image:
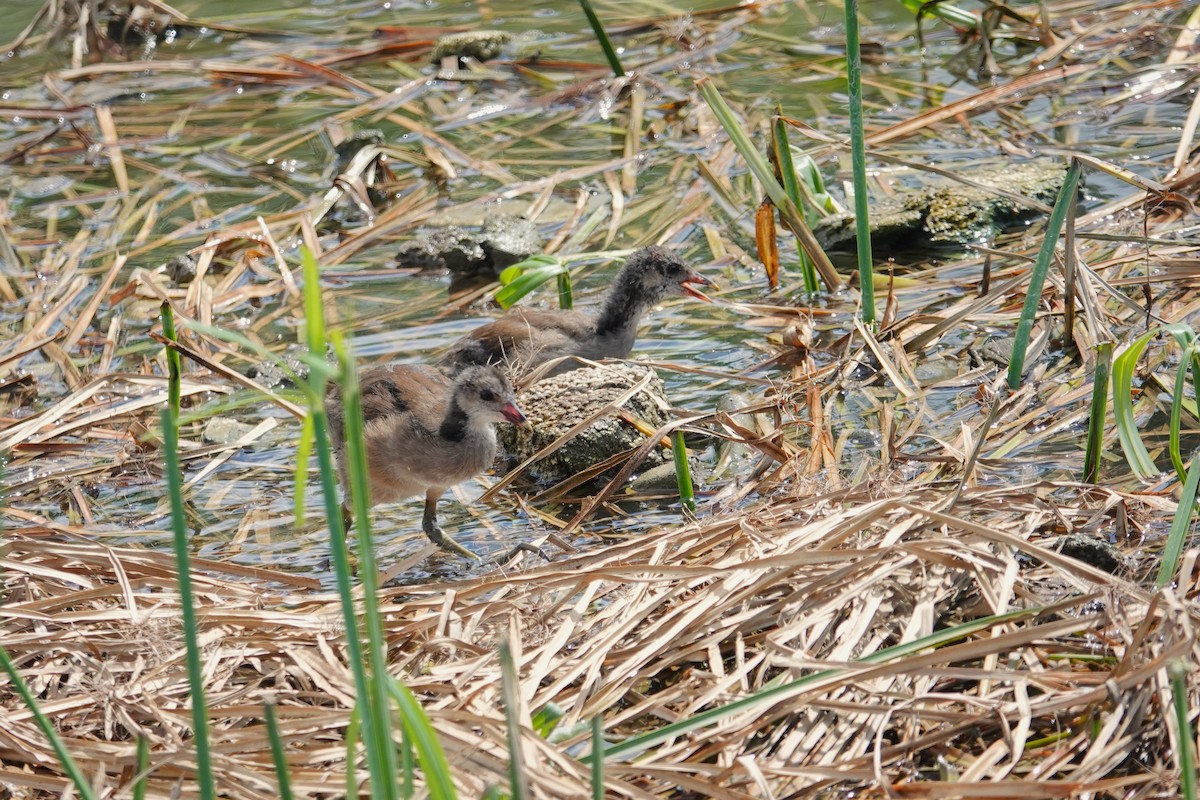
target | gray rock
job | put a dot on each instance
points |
(948, 212)
(557, 404)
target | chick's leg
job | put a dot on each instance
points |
(429, 524)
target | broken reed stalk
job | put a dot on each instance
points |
(380, 764)
(683, 471)
(610, 52)
(858, 161)
(173, 360)
(762, 171)
(1098, 413)
(187, 605)
(1037, 277)
(785, 168)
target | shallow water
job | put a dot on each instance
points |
(209, 153)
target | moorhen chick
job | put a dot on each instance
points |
(426, 432)
(524, 339)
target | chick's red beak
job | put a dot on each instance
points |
(514, 414)
(688, 289)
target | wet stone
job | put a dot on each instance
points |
(502, 241)
(1092, 551)
(223, 430)
(272, 375)
(479, 45)
(181, 269)
(948, 212)
(557, 404)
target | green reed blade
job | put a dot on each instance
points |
(762, 171)
(510, 690)
(606, 44)
(408, 767)
(173, 359)
(1097, 415)
(1037, 277)
(278, 752)
(1180, 526)
(359, 480)
(435, 768)
(383, 778)
(858, 162)
(683, 471)
(597, 758)
(1135, 450)
(187, 604)
(43, 722)
(1178, 672)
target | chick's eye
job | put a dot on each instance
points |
(487, 395)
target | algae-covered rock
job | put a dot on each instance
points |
(479, 45)
(502, 241)
(557, 404)
(949, 212)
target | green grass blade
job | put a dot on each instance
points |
(1177, 670)
(775, 693)
(1180, 526)
(1098, 414)
(56, 743)
(597, 758)
(1122, 392)
(142, 767)
(173, 359)
(510, 690)
(356, 467)
(187, 606)
(278, 752)
(383, 781)
(429, 750)
(606, 44)
(858, 162)
(683, 471)
(1037, 277)
(762, 171)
